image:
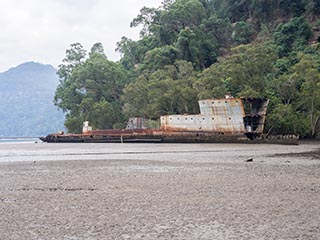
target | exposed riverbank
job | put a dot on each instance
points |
(159, 191)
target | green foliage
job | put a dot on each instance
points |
(264, 11)
(293, 35)
(147, 18)
(283, 119)
(73, 123)
(91, 91)
(293, 7)
(307, 70)
(242, 33)
(313, 9)
(244, 71)
(298, 91)
(195, 49)
(218, 29)
(181, 30)
(74, 56)
(159, 57)
(152, 124)
(165, 91)
(182, 14)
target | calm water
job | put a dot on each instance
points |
(18, 139)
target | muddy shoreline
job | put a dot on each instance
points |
(155, 191)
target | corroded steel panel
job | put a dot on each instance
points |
(255, 114)
(136, 122)
(219, 120)
(218, 115)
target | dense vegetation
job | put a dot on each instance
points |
(193, 49)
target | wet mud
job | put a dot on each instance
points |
(151, 191)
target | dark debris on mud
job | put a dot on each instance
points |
(53, 189)
(315, 155)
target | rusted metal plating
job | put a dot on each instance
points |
(220, 120)
(225, 115)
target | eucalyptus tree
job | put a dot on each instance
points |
(165, 91)
(244, 72)
(91, 90)
(307, 70)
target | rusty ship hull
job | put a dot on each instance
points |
(224, 120)
(167, 137)
(144, 136)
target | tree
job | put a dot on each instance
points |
(283, 119)
(147, 18)
(74, 56)
(166, 91)
(244, 71)
(182, 14)
(242, 32)
(313, 9)
(298, 107)
(178, 16)
(157, 58)
(133, 52)
(239, 10)
(219, 29)
(97, 48)
(293, 35)
(191, 49)
(293, 7)
(308, 69)
(66, 97)
(92, 91)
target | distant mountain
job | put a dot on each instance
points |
(26, 101)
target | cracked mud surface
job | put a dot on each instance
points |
(159, 191)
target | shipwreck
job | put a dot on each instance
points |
(223, 120)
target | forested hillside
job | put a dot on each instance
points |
(26, 107)
(194, 49)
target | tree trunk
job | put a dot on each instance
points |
(314, 127)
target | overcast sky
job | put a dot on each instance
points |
(42, 30)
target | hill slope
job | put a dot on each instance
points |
(26, 94)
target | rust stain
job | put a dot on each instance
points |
(218, 120)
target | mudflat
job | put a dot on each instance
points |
(159, 191)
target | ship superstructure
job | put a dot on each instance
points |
(220, 120)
